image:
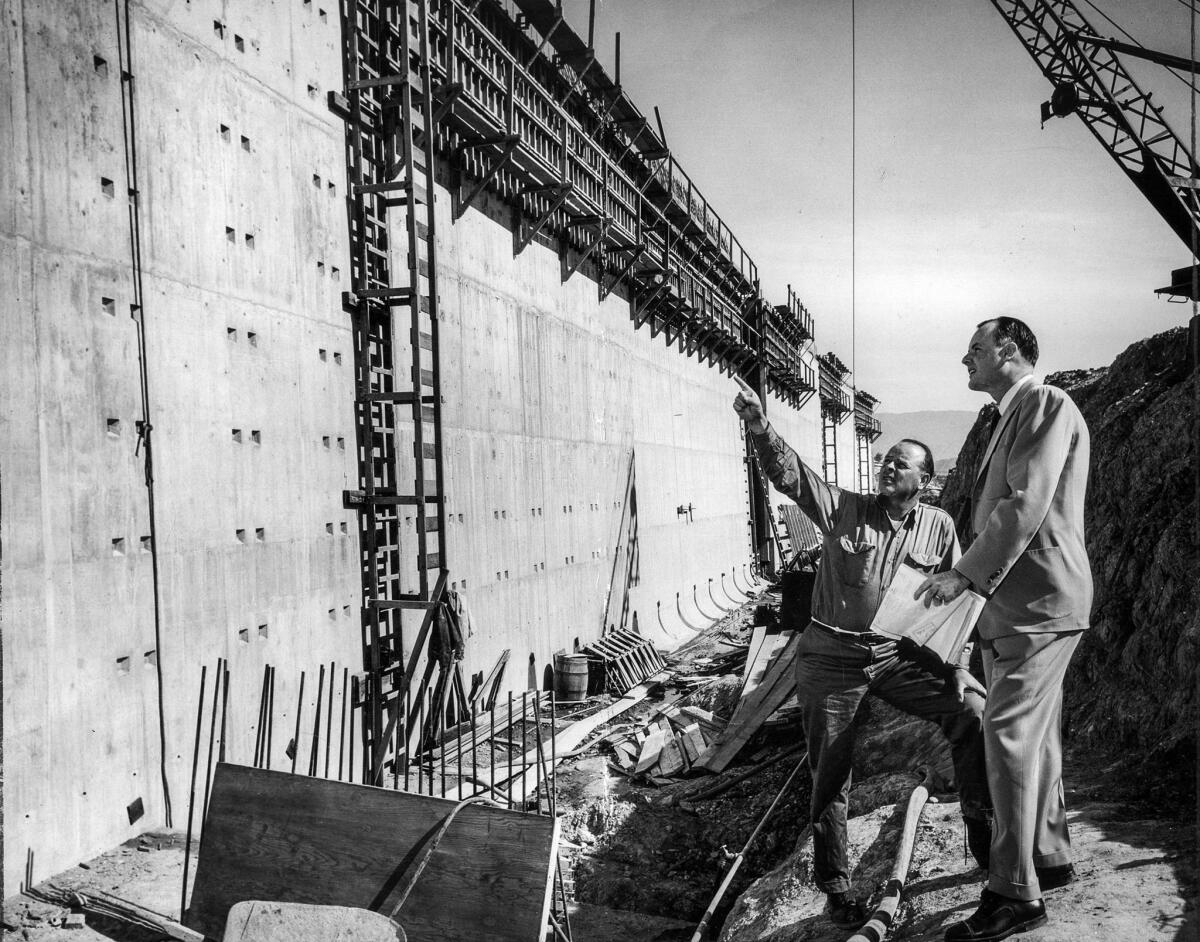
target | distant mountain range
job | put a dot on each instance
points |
(943, 432)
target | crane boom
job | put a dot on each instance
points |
(1090, 81)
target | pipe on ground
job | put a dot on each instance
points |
(881, 920)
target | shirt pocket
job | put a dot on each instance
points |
(923, 562)
(855, 561)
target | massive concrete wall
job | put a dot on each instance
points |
(249, 363)
(549, 393)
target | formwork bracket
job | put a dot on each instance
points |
(603, 223)
(508, 143)
(526, 233)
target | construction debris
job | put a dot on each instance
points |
(628, 659)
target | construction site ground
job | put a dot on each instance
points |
(644, 861)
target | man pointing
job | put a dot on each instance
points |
(866, 538)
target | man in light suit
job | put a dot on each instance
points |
(1028, 557)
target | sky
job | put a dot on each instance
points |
(923, 171)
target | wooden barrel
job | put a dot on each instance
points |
(571, 677)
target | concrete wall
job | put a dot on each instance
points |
(235, 335)
(548, 393)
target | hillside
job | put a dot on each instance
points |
(943, 431)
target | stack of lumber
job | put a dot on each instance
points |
(628, 659)
(768, 683)
(666, 748)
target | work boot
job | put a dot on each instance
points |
(845, 911)
(997, 918)
(979, 838)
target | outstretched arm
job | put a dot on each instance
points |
(783, 467)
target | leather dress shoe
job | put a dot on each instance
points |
(846, 912)
(997, 918)
(1051, 878)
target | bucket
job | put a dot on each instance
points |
(571, 677)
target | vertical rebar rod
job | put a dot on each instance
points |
(458, 748)
(329, 719)
(396, 752)
(315, 749)
(353, 706)
(270, 721)
(474, 747)
(224, 714)
(511, 732)
(539, 774)
(212, 734)
(187, 841)
(342, 722)
(260, 738)
(437, 722)
(407, 735)
(524, 747)
(554, 757)
(420, 744)
(299, 709)
(492, 747)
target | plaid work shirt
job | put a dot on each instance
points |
(862, 546)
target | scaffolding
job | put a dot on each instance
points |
(513, 115)
(866, 430)
(835, 406)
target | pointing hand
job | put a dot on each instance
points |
(749, 407)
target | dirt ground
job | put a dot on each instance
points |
(644, 861)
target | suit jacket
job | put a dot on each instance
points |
(1027, 516)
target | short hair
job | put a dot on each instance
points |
(1005, 329)
(927, 464)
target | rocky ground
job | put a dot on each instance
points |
(646, 860)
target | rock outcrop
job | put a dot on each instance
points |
(1132, 686)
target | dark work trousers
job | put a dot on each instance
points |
(833, 674)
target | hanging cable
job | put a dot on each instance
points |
(853, 196)
(128, 126)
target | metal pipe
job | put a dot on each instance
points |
(702, 928)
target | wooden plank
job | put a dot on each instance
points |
(777, 685)
(291, 838)
(670, 762)
(264, 921)
(757, 636)
(693, 742)
(770, 646)
(651, 750)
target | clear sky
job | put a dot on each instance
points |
(964, 207)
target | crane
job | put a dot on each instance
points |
(1090, 81)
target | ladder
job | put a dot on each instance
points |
(388, 109)
(829, 468)
(865, 467)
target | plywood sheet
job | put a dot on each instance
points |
(290, 838)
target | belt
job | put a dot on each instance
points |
(868, 637)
